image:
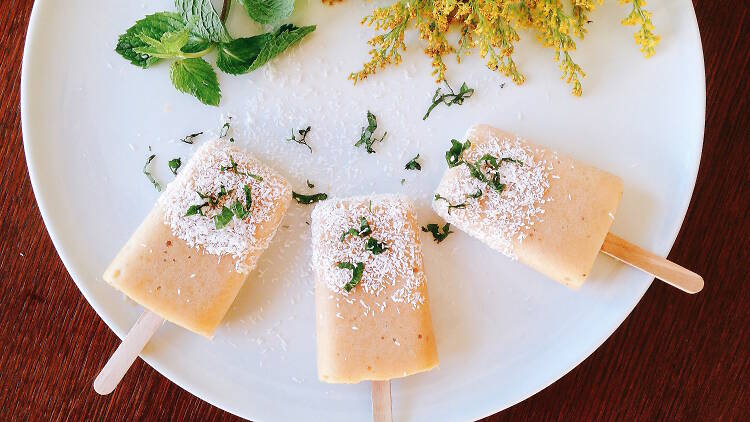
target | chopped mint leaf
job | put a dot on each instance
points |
(450, 206)
(403, 181)
(453, 155)
(364, 229)
(174, 164)
(350, 232)
(223, 218)
(302, 139)
(435, 230)
(189, 139)
(475, 195)
(268, 11)
(225, 128)
(366, 138)
(147, 172)
(356, 273)
(196, 209)
(309, 199)
(374, 246)
(248, 197)
(449, 98)
(413, 164)
(238, 210)
(196, 77)
(309, 184)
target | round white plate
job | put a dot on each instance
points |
(503, 331)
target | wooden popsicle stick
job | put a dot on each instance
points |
(381, 401)
(127, 352)
(659, 267)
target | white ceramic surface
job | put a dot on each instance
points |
(503, 331)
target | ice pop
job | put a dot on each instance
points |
(189, 258)
(372, 311)
(547, 210)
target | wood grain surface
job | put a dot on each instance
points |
(676, 357)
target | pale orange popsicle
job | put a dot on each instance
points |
(179, 263)
(552, 212)
(380, 328)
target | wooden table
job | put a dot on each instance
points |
(677, 357)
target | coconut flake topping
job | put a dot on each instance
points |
(241, 239)
(496, 218)
(397, 271)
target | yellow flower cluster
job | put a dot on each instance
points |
(491, 26)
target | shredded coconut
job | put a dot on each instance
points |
(397, 271)
(203, 174)
(497, 218)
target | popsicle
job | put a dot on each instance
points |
(547, 210)
(191, 255)
(372, 311)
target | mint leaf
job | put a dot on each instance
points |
(247, 54)
(147, 172)
(223, 218)
(356, 273)
(207, 23)
(268, 11)
(168, 46)
(174, 164)
(308, 199)
(152, 26)
(237, 56)
(197, 78)
(238, 210)
(437, 236)
(375, 247)
(453, 155)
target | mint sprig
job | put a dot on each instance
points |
(187, 36)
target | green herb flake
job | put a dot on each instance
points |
(374, 246)
(196, 209)
(190, 139)
(309, 199)
(435, 230)
(223, 218)
(450, 205)
(248, 197)
(475, 195)
(449, 98)
(147, 172)
(413, 164)
(175, 164)
(367, 137)
(454, 155)
(364, 229)
(310, 184)
(356, 273)
(302, 138)
(238, 210)
(225, 128)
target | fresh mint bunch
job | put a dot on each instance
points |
(195, 30)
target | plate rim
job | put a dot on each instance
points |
(480, 411)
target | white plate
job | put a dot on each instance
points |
(504, 332)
